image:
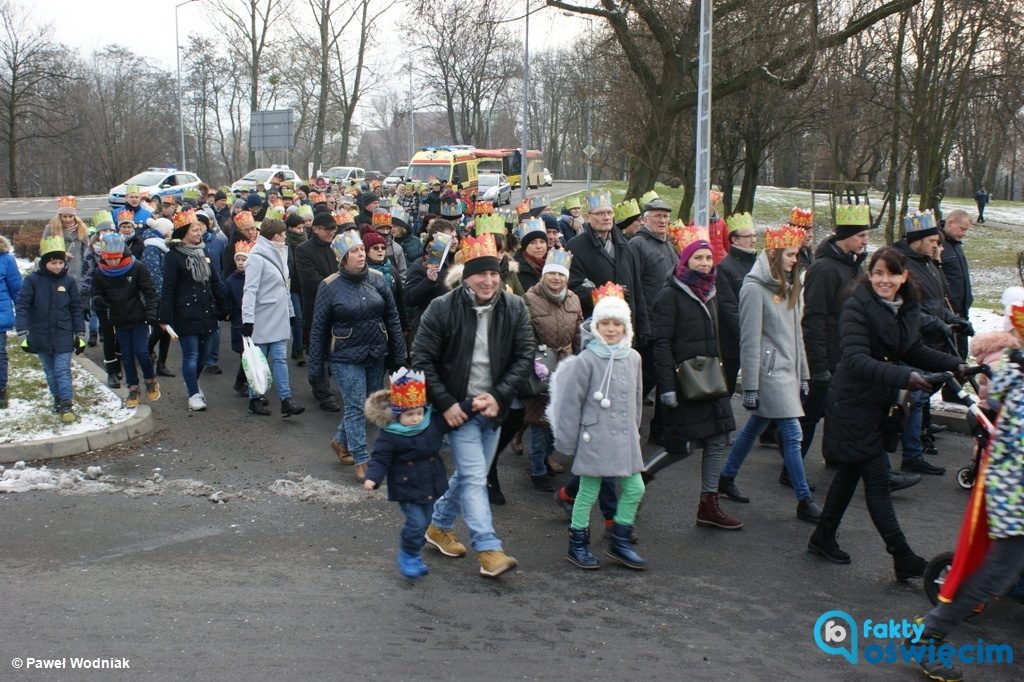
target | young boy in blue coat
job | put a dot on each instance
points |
(407, 453)
(51, 323)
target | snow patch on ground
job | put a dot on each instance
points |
(984, 320)
(24, 265)
(309, 489)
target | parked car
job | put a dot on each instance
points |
(494, 187)
(155, 181)
(396, 176)
(261, 177)
(344, 175)
(547, 178)
(375, 175)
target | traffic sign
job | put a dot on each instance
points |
(590, 150)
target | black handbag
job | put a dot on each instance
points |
(547, 357)
(701, 378)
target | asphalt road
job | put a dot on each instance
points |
(41, 208)
(274, 587)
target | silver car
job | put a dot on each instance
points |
(494, 187)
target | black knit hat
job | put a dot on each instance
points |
(294, 220)
(325, 220)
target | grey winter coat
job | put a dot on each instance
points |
(656, 260)
(266, 301)
(603, 441)
(772, 356)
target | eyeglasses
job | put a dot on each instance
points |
(744, 236)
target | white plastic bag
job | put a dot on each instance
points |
(254, 364)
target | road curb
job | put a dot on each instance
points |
(139, 424)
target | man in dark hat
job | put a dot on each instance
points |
(368, 203)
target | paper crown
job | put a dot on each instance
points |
(599, 199)
(345, 242)
(274, 213)
(484, 207)
(509, 215)
(317, 198)
(1016, 316)
(287, 193)
(853, 214)
(67, 204)
(529, 226)
(244, 219)
(102, 219)
(53, 244)
(131, 189)
(125, 217)
(190, 194)
(225, 189)
(740, 221)
(714, 197)
(305, 212)
(243, 246)
(381, 218)
(648, 197)
(408, 390)
(919, 222)
(572, 202)
(111, 244)
(683, 235)
(399, 216)
(801, 217)
(538, 204)
(785, 237)
(167, 199)
(523, 209)
(478, 247)
(626, 210)
(559, 259)
(343, 216)
(489, 224)
(183, 218)
(607, 289)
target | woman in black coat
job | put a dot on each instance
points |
(881, 338)
(685, 327)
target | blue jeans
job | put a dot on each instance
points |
(3, 361)
(195, 348)
(789, 428)
(417, 517)
(473, 446)
(297, 344)
(94, 323)
(57, 367)
(214, 354)
(356, 382)
(134, 343)
(912, 446)
(277, 357)
(542, 444)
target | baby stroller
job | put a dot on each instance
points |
(978, 422)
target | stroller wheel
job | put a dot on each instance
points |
(935, 575)
(965, 477)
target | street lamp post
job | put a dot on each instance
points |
(177, 56)
(589, 150)
(524, 165)
(412, 117)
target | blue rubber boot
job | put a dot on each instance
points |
(579, 550)
(620, 548)
(411, 565)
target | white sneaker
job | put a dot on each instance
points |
(197, 402)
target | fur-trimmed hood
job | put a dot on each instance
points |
(5, 245)
(378, 408)
(987, 344)
(453, 277)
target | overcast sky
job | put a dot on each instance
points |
(147, 28)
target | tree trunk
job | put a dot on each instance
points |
(890, 225)
(646, 164)
(325, 84)
(12, 154)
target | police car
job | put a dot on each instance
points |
(156, 181)
(261, 177)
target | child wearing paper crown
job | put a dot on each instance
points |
(407, 453)
(595, 414)
(51, 323)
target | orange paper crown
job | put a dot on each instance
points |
(801, 217)
(684, 235)
(408, 390)
(785, 237)
(484, 207)
(125, 217)
(183, 218)
(1017, 318)
(343, 216)
(715, 197)
(317, 198)
(244, 219)
(478, 247)
(243, 246)
(381, 218)
(523, 208)
(607, 289)
(67, 204)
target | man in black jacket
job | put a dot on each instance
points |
(958, 275)
(600, 255)
(475, 342)
(314, 261)
(728, 280)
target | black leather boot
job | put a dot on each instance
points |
(256, 406)
(288, 408)
(905, 563)
(823, 543)
(727, 487)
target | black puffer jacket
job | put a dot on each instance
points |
(443, 348)
(129, 299)
(685, 328)
(191, 307)
(591, 261)
(931, 285)
(527, 273)
(826, 287)
(958, 276)
(420, 290)
(868, 377)
(729, 278)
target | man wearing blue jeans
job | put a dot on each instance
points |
(474, 342)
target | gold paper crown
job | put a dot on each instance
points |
(625, 210)
(131, 189)
(101, 218)
(853, 214)
(342, 216)
(572, 202)
(67, 204)
(607, 289)
(287, 193)
(684, 235)
(125, 216)
(317, 198)
(599, 199)
(244, 219)
(408, 390)
(489, 224)
(306, 212)
(801, 217)
(484, 207)
(53, 244)
(1017, 318)
(785, 237)
(183, 218)
(529, 226)
(381, 218)
(740, 221)
(478, 247)
(190, 193)
(715, 197)
(561, 257)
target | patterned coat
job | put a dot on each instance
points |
(1004, 482)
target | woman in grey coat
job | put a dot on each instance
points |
(267, 312)
(773, 364)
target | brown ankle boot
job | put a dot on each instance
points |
(710, 514)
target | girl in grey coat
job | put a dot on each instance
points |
(773, 365)
(595, 413)
(267, 312)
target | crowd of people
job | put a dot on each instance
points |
(442, 319)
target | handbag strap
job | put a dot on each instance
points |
(276, 267)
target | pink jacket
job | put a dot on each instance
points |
(986, 348)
